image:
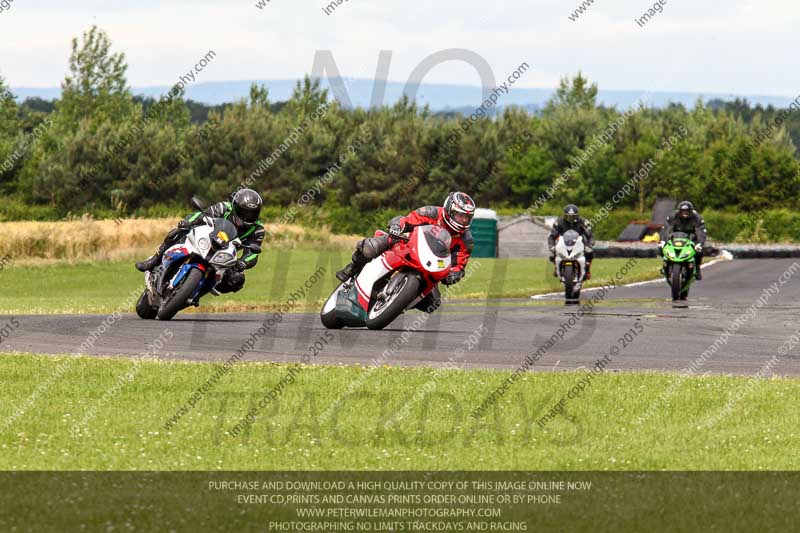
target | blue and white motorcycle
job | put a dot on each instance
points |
(191, 269)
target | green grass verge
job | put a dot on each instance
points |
(122, 426)
(102, 287)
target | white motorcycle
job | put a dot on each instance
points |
(189, 270)
(571, 264)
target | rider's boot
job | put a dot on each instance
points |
(153, 261)
(588, 270)
(353, 268)
(346, 273)
(174, 235)
(698, 272)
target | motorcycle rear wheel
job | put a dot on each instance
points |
(397, 302)
(180, 297)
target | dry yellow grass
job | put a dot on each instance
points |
(109, 240)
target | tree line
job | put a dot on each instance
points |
(100, 149)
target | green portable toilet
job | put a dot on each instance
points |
(484, 231)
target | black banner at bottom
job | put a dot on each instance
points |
(399, 501)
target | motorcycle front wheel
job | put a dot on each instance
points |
(180, 296)
(676, 281)
(383, 311)
(569, 283)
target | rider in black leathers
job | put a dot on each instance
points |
(243, 211)
(571, 220)
(689, 221)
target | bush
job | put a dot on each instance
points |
(15, 209)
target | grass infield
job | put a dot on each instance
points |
(73, 413)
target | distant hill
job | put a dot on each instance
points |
(440, 97)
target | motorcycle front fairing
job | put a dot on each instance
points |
(211, 245)
(427, 251)
(679, 248)
(570, 249)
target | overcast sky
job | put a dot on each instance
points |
(738, 46)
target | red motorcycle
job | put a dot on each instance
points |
(392, 283)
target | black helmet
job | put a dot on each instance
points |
(459, 209)
(685, 209)
(246, 207)
(571, 214)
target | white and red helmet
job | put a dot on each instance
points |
(458, 211)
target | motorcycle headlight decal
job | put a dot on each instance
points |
(203, 244)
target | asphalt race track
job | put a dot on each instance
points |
(670, 337)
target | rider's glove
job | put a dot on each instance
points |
(661, 244)
(184, 224)
(453, 277)
(588, 249)
(396, 230)
(240, 266)
(552, 250)
(698, 247)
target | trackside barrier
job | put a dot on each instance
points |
(739, 251)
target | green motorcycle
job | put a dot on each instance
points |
(679, 265)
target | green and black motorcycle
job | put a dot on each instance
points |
(679, 265)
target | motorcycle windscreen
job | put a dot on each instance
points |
(570, 238)
(434, 248)
(223, 233)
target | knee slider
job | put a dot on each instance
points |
(235, 281)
